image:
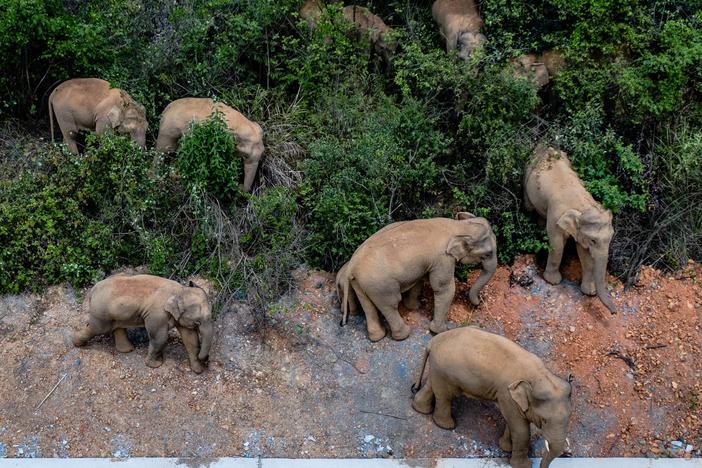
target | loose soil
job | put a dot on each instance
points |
(306, 387)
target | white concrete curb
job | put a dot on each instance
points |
(337, 463)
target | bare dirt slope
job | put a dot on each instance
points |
(307, 388)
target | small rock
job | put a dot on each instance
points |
(368, 438)
(676, 444)
(572, 329)
(688, 448)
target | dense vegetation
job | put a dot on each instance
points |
(350, 144)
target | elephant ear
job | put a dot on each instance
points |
(114, 116)
(519, 391)
(173, 306)
(459, 246)
(569, 222)
(464, 215)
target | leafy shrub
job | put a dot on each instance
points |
(207, 158)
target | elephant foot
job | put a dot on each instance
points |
(196, 367)
(520, 462)
(411, 303)
(588, 289)
(402, 333)
(122, 343)
(505, 444)
(154, 362)
(78, 340)
(424, 407)
(553, 277)
(444, 423)
(376, 334)
(437, 328)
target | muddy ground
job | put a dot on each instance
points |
(305, 387)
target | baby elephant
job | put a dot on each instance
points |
(159, 304)
(490, 367)
(460, 25)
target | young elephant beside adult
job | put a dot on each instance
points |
(554, 190)
(396, 259)
(90, 104)
(540, 69)
(486, 366)
(460, 25)
(159, 304)
(372, 26)
(178, 115)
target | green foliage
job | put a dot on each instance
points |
(208, 160)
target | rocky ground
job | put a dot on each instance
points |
(305, 387)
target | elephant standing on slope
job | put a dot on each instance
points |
(90, 104)
(472, 362)
(176, 119)
(554, 190)
(460, 25)
(159, 304)
(396, 259)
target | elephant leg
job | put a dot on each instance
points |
(444, 393)
(69, 131)
(553, 264)
(166, 143)
(587, 264)
(157, 341)
(410, 298)
(519, 434)
(388, 307)
(505, 441)
(122, 342)
(423, 401)
(93, 328)
(376, 331)
(444, 289)
(250, 168)
(191, 340)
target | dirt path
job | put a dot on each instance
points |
(308, 388)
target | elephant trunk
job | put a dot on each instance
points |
(600, 273)
(554, 449)
(206, 331)
(139, 136)
(489, 267)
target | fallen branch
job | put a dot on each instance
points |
(383, 414)
(656, 346)
(52, 391)
(628, 360)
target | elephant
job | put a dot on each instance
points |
(91, 104)
(311, 12)
(372, 26)
(460, 25)
(486, 366)
(554, 190)
(396, 259)
(540, 69)
(178, 115)
(121, 301)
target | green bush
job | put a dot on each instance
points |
(208, 160)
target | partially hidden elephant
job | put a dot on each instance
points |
(159, 304)
(485, 366)
(538, 68)
(554, 190)
(372, 26)
(176, 119)
(311, 12)
(460, 25)
(91, 104)
(396, 259)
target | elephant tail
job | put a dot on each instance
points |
(417, 385)
(345, 300)
(51, 115)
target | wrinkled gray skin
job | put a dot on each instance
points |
(90, 104)
(485, 366)
(395, 260)
(158, 304)
(554, 190)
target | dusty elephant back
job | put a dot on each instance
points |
(125, 293)
(457, 14)
(80, 87)
(311, 11)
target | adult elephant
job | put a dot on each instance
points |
(178, 115)
(91, 104)
(395, 260)
(554, 190)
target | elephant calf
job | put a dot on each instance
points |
(90, 104)
(540, 69)
(176, 119)
(486, 366)
(396, 259)
(554, 190)
(159, 304)
(372, 26)
(460, 25)
(311, 12)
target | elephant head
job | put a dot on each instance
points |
(125, 116)
(468, 42)
(528, 66)
(475, 243)
(592, 230)
(545, 401)
(191, 309)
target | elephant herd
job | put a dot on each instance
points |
(389, 267)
